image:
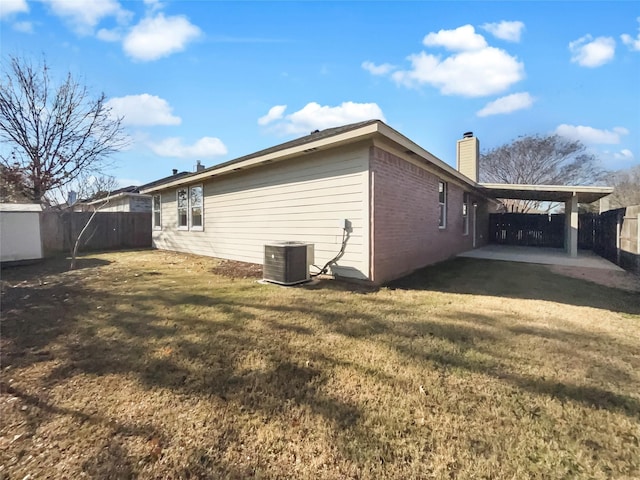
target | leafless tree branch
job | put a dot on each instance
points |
(540, 160)
(52, 135)
(626, 184)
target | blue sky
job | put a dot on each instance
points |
(211, 81)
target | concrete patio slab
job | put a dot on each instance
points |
(546, 256)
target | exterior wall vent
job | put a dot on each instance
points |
(287, 263)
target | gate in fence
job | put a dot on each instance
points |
(526, 229)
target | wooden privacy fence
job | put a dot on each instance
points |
(526, 229)
(107, 231)
(613, 235)
(616, 237)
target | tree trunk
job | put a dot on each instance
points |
(76, 245)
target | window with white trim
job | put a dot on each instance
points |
(183, 208)
(195, 208)
(157, 215)
(465, 213)
(190, 203)
(442, 204)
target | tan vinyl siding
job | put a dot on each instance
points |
(302, 199)
(127, 203)
(115, 205)
(468, 156)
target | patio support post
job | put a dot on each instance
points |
(571, 225)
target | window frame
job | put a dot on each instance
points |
(465, 213)
(156, 225)
(188, 208)
(196, 228)
(179, 208)
(442, 205)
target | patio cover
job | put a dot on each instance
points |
(549, 193)
(571, 195)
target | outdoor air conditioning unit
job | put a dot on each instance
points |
(287, 263)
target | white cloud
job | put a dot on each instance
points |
(84, 16)
(159, 36)
(106, 35)
(590, 135)
(589, 52)
(629, 41)
(24, 27)
(143, 110)
(206, 147)
(153, 5)
(462, 38)
(11, 7)
(275, 113)
(509, 31)
(474, 69)
(471, 74)
(313, 116)
(374, 69)
(508, 104)
(624, 154)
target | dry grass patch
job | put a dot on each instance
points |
(160, 365)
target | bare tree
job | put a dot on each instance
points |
(539, 160)
(90, 187)
(76, 245)
(52, 134)
(626, 184)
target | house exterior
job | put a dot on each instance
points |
(20, 238)
(126, 199)
(121, 202)
(402, 207)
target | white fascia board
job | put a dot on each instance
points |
(550, 188)
(552, 193)
(119, 195)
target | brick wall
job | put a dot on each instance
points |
(405, 233)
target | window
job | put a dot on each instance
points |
(190, 208)
(442, 202)
(183, 209)
(195, 207)
(465, 213)
(156, 207)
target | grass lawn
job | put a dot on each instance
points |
(153, 364)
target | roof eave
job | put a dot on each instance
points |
(412, 147)
(113, 197)
(344, 138)
(549, 193)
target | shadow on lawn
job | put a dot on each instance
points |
(202, 343)
(48, 266)
(185, 353)
(517, 280)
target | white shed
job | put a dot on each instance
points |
(20, 232)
